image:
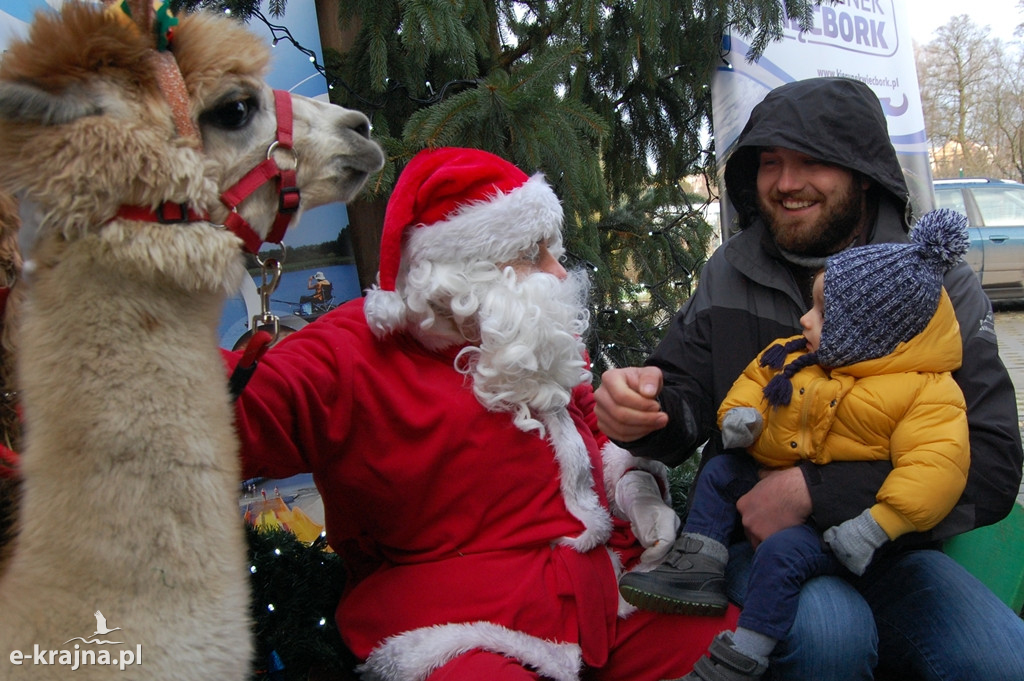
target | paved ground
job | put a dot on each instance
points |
(1010, 331)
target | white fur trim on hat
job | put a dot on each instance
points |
(415, 655)
(498, 229)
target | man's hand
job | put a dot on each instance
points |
(778, 501)
(627, 406)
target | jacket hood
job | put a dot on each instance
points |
(838, 120)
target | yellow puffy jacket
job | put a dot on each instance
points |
(905, 407)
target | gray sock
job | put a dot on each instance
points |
(753, 644)
(711, 548)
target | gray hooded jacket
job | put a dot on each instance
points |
(749, 295)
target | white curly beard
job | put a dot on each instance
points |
(531, 350)
(527, 334)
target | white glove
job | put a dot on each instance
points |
(741, 426)
(654, 522)
(854, 541)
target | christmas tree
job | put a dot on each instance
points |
(610, 100)
(296, 588)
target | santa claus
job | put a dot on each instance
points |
(447, 419)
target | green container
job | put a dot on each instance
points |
(995, 555)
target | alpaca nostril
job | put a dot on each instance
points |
(363, 129)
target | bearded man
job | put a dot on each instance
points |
(813, 173)
(447, 419)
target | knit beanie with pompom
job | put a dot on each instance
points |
(877, 297)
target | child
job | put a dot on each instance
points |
(869, 379)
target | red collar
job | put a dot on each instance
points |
(166, 214)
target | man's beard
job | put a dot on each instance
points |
(530, 350)
(831, 233)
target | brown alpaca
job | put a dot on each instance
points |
(130, 460)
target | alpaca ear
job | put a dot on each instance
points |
(21, 102)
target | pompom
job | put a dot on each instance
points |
(385, 311)
(943, 237)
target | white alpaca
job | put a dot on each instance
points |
(130, 458)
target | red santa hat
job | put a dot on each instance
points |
(455, 205)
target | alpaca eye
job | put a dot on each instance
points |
(232, 115)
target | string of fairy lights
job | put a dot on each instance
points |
(296, 587)
(317, 546)
(279, 32)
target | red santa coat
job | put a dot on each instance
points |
(458, 530)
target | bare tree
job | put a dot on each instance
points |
(972, 93)
(956, 75)
(1003, 116)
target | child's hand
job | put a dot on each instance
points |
(854, 542)
(740, 427)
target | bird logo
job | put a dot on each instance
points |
(101, 625)
(101, 630)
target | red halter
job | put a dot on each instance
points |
(172, 86)
(287, 186)
(287, 189)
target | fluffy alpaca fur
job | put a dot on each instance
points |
(129, 452)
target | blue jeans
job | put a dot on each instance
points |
(918, 615)
(721, 482)
(783, 562)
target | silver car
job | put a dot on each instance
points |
(995, 214)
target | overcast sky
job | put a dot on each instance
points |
(1001, 16)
